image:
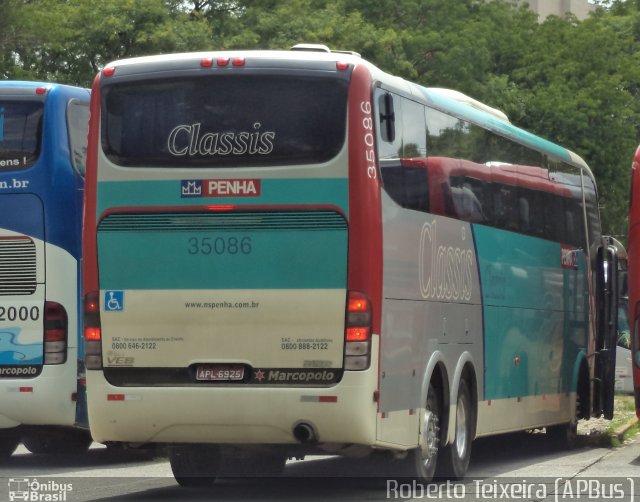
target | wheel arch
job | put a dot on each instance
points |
(580, 383)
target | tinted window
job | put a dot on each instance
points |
(20, 130)
(414, 130)
(239, 120)
(407, 186)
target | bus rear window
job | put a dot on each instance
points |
(239, 120)
(20, 129)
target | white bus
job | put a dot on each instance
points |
(292, 252)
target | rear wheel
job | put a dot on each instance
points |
(565, 436)
(50, 442)
(258, 465)
(421, 462)
(454, 458)
(8, 445)
(195, 465)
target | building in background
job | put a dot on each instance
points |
(545, 8)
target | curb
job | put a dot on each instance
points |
(622, 430)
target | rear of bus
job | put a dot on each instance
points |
(232, 240)
(40, 218)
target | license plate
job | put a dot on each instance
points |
(220, 373)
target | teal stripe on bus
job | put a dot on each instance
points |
(286, 250)
(535, 314)
(164, 193)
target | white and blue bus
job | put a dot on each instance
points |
(43, 143)
(293, 252)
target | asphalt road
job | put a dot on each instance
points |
(511, 467)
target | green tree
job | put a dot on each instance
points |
(70, 41)
(576, 83)
(578, 87)
(8, 38)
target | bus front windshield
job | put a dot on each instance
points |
(228, 120)
(20, 131)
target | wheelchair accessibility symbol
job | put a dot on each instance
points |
(114, 301)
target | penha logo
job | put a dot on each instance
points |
(191, 188)
(221, 188)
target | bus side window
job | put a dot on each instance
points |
(466, 205)
(387, 116)
(525, 214)
(414, 130)
(506, 209)
(407, 186)
(536, 213)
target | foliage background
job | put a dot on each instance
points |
(574, 82)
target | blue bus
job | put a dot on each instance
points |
(43, 141)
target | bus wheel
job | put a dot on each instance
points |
(48, 442)
(195, 465)
(422, 460)
(261, 465)
(565, 436)
(454, 458)
(8, 445)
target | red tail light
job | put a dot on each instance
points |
(357, 334)
(92, 333)
(56, 328)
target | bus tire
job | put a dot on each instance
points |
(421, 462)
(262, 465)
(565, 436)
(8, 445)
(454, 458)
(194, 465)
(47, 442)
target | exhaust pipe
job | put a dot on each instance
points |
(304, 433)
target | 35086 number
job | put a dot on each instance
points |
(19, 313)
(219, 245)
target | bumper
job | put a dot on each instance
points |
(44, 400)
(344, 413)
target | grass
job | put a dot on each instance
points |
(624, 412)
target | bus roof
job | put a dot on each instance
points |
(30, 88)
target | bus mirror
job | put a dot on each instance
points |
(387, 118)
